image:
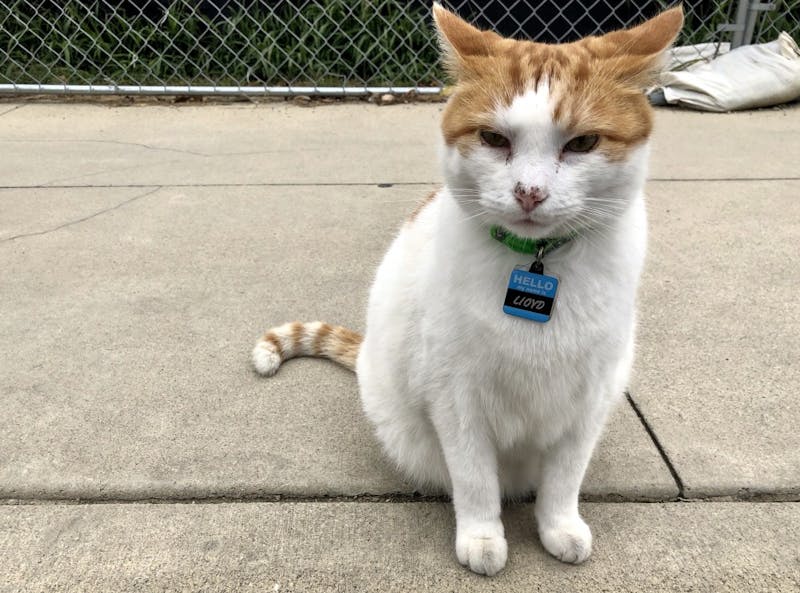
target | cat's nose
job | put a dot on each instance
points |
(529, 197)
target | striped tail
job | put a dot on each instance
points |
(289, 340)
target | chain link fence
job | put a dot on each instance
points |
(782, 15)
(289, 47)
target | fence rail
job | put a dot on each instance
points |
(288, 47)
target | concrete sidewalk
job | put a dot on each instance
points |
(144, 248)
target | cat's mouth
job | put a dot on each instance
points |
(528, 227)
(528, 223)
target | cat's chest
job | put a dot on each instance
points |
(585, 304)
(528, 373)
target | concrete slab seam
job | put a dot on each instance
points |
(661, 451)
(398, 498)
(381, 184)
(264, 497)
(732, 179)
(84, 219)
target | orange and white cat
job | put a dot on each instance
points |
(544, 156)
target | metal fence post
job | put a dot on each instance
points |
(742, 12)
(755, 9)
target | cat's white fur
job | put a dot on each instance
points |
(480, 404)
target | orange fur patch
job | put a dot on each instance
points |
(322, 335)
(422, 204)
(347, 345)
(296, 334)
(275, 341)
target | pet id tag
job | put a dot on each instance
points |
(530, 295)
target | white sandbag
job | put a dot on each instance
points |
(746, 77)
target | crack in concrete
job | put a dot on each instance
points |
(83, 219)
(10, 110)
(151, 147)
(53, 182)
(117, 142)
(661, 451)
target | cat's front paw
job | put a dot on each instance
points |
(482, 548)
(568, 540)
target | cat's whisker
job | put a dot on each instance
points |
(604, 216)
(604, 208)
(607, 201)
(588, 229)
(586, 234)
(592, 228)
(608, 205)
(473, 216)
(591, 239)
(583, 232)
(615, 201)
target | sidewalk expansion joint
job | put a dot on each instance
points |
(707, 179)
(378, 184)
(83, 219)
(389, 498)
(661, 451)
(250, 497)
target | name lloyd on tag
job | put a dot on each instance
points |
(527, 302)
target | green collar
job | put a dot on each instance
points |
(539, 247)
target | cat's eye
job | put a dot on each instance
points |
(494, 139)
(582, 143)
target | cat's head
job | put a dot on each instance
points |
(546, 138)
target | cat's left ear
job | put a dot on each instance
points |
(639, 52)
(462, 44)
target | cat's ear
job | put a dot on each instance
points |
(461, 43)
(639, 53)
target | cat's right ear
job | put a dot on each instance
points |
(461, 43)
(638, 54)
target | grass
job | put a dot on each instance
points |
(785, 17)
(330, 42)
(252, 42)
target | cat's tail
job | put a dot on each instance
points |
(290, 340)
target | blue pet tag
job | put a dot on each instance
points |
(530, 295)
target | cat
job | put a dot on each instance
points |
(480, 381)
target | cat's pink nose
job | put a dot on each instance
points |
(529, 197)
